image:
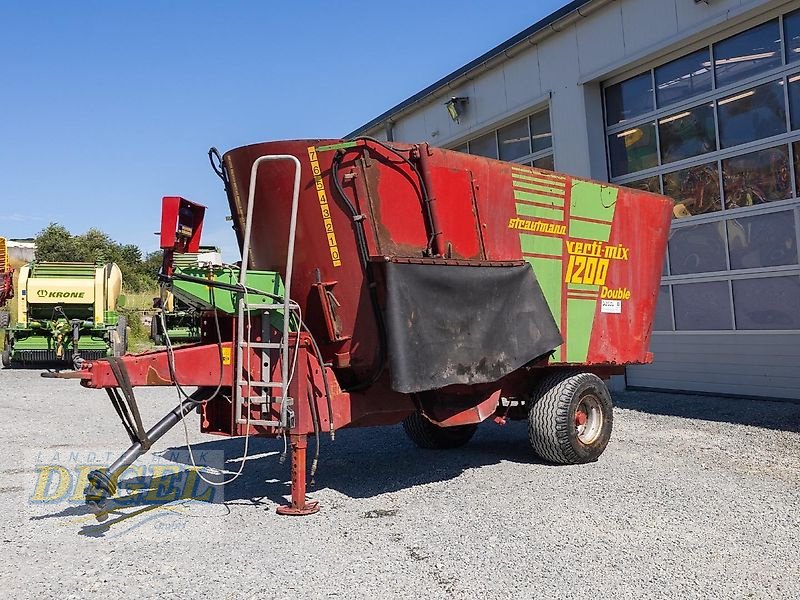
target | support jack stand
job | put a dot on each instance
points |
(299, 505)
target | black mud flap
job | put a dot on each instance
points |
(453, 324)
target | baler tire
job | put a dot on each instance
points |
(5, 319)
(155, 333)
(427, 435)
(552, 418)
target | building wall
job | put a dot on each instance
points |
(566, 71)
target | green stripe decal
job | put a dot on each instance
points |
(548, 273)
(539, 187)
(583, 286)
(540, 212)
(541, 244)
(540, 198)
(580, 318)
(589, 231)
(593, 201)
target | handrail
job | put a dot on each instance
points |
(289, 261)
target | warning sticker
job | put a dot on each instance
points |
(611, 306)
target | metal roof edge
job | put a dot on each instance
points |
(523, 35)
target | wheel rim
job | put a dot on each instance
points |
(588, 419)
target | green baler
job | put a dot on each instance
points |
(66, 313)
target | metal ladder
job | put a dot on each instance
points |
(244, 344)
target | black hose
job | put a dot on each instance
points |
(361, 243)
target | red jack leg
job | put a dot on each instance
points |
(299, 506)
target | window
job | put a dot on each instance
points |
(767, 303)
(683, 78)
(486, 145)
(648, 184)
(663, 318)
(767, 240)
(748, 53)
(702, 306)
(718, 131)
(541, 133)
(546, 162)
(794, 100)
(528, 141)
(697, 249)
(633, 149)
(757, 177)
(695, 190)
(687, 133)
(751, 115)
(791, 25)
(514, 140)
(629, 99)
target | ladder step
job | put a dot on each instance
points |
(266, 384)
(261, 345)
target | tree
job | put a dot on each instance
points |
(56, 244)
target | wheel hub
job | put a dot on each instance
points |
(588, 419)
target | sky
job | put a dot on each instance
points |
(107, 106)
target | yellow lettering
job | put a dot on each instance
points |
(47, 474)
(163, 488)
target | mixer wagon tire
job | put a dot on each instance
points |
(570, 418)
(427, 435)
(5, 319)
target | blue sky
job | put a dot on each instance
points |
(105, 107)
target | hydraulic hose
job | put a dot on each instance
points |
(363, 252)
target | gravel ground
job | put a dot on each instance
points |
(696, 497)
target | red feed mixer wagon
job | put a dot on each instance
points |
(425, 286)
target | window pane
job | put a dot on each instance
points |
(629, 99)
(763, 241)
(462, 148)
(757, 177)
(752, 115)
(695, 190)
(683, 78)
(663, 319)
(648, 184)
(687, 133)
(791, 24)
(545, 162)
(697, 249)
(796, 152)
(702, 306)
(540, 131)
(633, 150)
(486, 145)
(794, 100)
(768, 303)
(514, 140)
(748, 53)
